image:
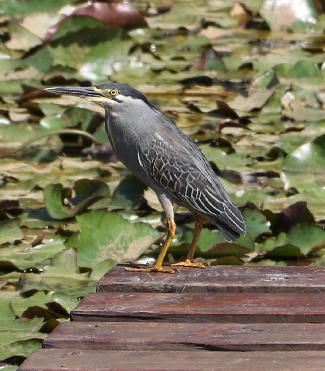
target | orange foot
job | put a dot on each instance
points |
(188, 263)
(151, 269)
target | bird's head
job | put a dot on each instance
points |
(113, 97)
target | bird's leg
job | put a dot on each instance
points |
(190, 255)
(158, 266)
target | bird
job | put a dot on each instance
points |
(152, 147)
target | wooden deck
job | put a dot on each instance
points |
(222, 318)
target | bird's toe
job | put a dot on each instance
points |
(188, 263)
(151, 269)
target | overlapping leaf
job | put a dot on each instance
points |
(56, 197)
(105, 236)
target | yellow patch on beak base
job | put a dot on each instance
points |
(108, 94)
(101, 91)
(102, 98)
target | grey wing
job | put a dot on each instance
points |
(176, 164)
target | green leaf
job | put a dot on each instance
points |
(128, 193)
(10, 231)
(86, 193)
(101, 269)
(226, 249)
(306, 236)
(299, 241)
(287, 251)
(91, 51)
(213, 61)
(39, 299)
(104, 235)
(28, 257)
(301, 69)
(74, 285)
(303, 168)
(76, 23)
(266, 79)
(256, 223)
(21, 348)
(208, 238)
(71, 117)
(224, 161)
(7, 313)
(42, 60)
(227, 260)
(15, 8)
(210, 244)
(68, 302)
(64, 264)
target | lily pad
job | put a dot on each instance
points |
(287, 251)
(15, 8)
(10, 231)
(86, 193)
(63, 263)
(256, 99)
(105, 235)
(227, 249)
(227, 260)
(71, 117)
(18, 337)
(301, 69)
(304, 167)
(23, 257)
(128, 193)
(101, 268)
(91, 51)
(256, 223)
(71, 24)
(211, 244)
(298, 242)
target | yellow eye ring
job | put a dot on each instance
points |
(113, 92)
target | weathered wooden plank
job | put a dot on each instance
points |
(196, 360)
(187, 336)
(214, 307)
(218, 279)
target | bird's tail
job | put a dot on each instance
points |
(231, 223)
(228, 233)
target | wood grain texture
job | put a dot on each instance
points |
(213, 307)
(196, 360)
(221, 318)
(187, 336)
(225, 279)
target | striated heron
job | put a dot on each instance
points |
(151, 146)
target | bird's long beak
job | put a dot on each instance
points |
(88, 93)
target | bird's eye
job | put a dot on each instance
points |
(113, 92)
